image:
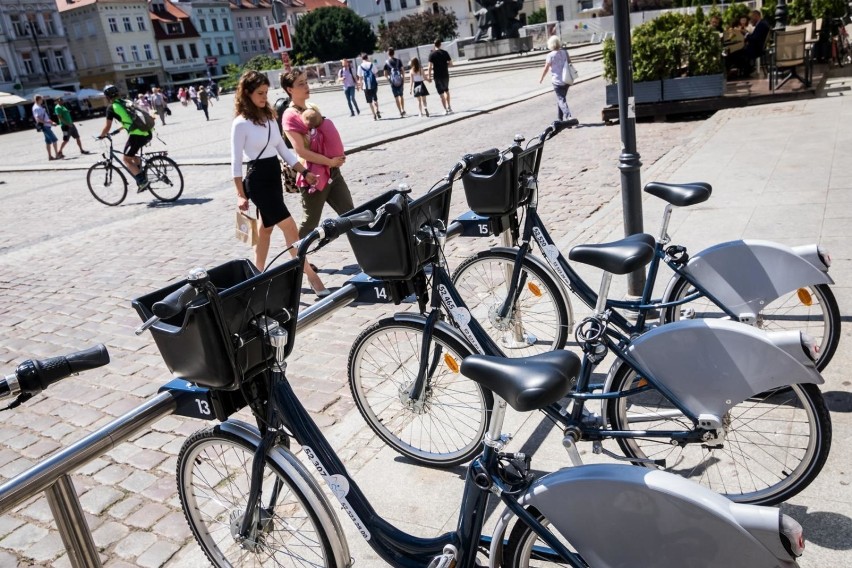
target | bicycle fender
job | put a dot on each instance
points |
(747, 275)
(302, 479)
(710, 366)
(622, 515)
(443, 326)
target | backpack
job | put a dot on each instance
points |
(395, 76)
(280, 107)
(370, 82)
(140, 119)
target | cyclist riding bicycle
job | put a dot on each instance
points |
(137, 138)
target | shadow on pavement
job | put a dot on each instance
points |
(838, 401)
(179, 202)
(829, 530)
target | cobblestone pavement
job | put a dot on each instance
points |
(69, 268)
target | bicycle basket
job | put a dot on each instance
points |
(199, 347)
(494, 188)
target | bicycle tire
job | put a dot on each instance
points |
(102, 176)
(525, 549)
(165, 178)
(383, 364)
(213, 478)
(820, 319)
(541, 320)
(775, 444)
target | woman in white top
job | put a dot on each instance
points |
(418, 85)
(556, 60)
(255, 135)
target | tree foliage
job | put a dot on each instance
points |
(256, 63)
(332, 33)
(642, 5)
(418, 29)
(537, 17)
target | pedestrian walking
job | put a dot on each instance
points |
(214, 90)
(439, 71)
(418, 85)
(183, 96)
(193, 96)
(43, 125)
(556, 60)
(66, 123)
(349, 86)
(158, 101)
(395, 74)
(203, 101)
(368, 81)
(254, 135)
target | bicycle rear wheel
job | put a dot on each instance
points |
(447, 425)
(539, 321)
(811, 309)
(106, 183)
(213, 478)
(775, 443)
(165, 178)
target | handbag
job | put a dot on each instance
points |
(288, 178)
(569, 73)
(246, 228)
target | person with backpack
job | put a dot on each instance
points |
(139, 126)
(395, 73)
(349, 85)
(368, 81)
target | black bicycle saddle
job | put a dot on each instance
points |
(680, 194)
(617, 257)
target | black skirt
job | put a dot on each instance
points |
(263, 187)
(420, 89)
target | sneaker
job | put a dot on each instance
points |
(403, 114)
(60, 156)
(426, 110)
(379, 115)
(449, 110)
(143, 186)
(85, 152)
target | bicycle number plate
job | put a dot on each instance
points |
(474, 225)
(192, 401)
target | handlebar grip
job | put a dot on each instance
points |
(474, 160)
(36, 375)
(333, 228)
(560, 125)
(394, 205)
(174, 303)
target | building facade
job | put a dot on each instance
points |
(34, 49)
(112, 42)
(250, 20)
(179, 44)
(212, 20)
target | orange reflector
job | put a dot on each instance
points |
(805, 296)
(535, 290)
(641, 383)
(451, 362)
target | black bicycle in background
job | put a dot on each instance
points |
(108, 184)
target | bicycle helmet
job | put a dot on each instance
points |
(110, 91)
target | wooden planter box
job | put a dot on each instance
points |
(703, 87)
(679, 89)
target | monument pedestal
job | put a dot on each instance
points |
(508, 46)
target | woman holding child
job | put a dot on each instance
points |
(322, 150)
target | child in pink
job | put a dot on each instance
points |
(325, 140)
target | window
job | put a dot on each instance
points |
(244, 46)
(203, 23)
(90, 28)
(403, 4)
(193, 51)
(134, 53)
(231, 47)
(388, 5)
(113, 25)
(587, 4)
(215, 25)
(45, 61)
(248, 23)
(5, 74)
(140, 23)
(221, 48)
(148, 54)
(416, 2)
(97, 58)
(19, 25)
(174, 29)
(208, 49)
(59, 59)
(119, 51)
(49, 27)
(560, 14)
(240, 23)
(226, 25)
(78, 31)
(254, 45)
(29, 67)
(257, 23)
(168, 51)
(126, 21)
(181, 51)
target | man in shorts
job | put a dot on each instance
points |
(43, 125)
(368, 78)
(395, 73)
(66, 123)
(439, 70)
(136, 138)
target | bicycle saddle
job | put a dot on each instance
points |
(526, 383)
(617, 257)
(680, 194)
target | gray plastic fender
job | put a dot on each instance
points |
(712, 365)
(747, 275)
(619, 516)
(445, 327)
(306, 484)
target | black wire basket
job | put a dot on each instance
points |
(214, 342)
(495, 188)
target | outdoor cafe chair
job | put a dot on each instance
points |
(788, 54)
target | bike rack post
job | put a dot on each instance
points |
(72, 525)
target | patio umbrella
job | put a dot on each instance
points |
(87, 93)
(50, 93)
(7, 99)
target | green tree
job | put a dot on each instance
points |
(332, 33)
(537, 17)
(419, 29)
(256, 63)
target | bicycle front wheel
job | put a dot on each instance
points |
(446, 424)
(106, 183)
(165, 178)
(775, 443)
(811, 309)
(538, 322)
(525, 549)
(214, 476)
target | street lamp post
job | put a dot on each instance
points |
(781, 15)
(33, 32)
(629, 163)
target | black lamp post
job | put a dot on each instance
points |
(33, 31)
(781, 15)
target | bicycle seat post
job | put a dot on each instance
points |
(603, 292)
(664, 229)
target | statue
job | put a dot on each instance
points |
(499, 15)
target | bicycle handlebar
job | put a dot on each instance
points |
(557, 127)
(470, 161)
(35, 375)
